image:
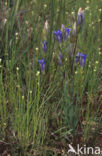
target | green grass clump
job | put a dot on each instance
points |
(43, 112)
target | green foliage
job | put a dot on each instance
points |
(34, 105)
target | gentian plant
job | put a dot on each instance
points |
(44, 46)
(58, 35)
(80, 16)
(66, 33)
(42, 65)
(80, 58)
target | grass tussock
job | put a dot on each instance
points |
(50, 76)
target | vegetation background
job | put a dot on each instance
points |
(42, 112)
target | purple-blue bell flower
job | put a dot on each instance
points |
(60, 58)
(42, 64)
(58, 35)
(66, 33)
(45, 46)
(80, 58)
(80, 16)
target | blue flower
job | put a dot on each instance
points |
(58, 35)
(45, 46)
(60, 58)
(80, 58)
(80, 16)
(63, 33)
(42, 64)
(66, 33)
